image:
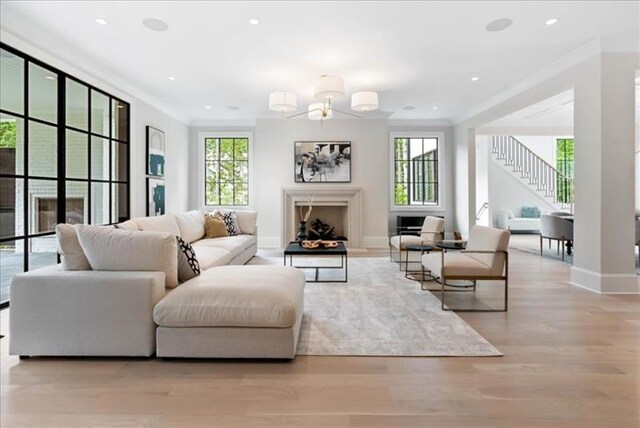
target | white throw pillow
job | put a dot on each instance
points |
(128, 250)
(248, 221)
(163, 223)
(71, 252)
(127, 225)
(191, 225)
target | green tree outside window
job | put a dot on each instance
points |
(226, 171)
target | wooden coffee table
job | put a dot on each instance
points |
(293, 249)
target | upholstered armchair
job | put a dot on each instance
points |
(431, 230)
(556, 228)
(486, 258)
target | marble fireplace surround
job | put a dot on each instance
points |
(351, 197)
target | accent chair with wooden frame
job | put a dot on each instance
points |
(432, 230)
(486, 258)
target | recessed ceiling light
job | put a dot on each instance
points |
(551, 21)
(409, 108)
(207, 107)
(499, 25)
(254, 21)
(155, 24)
(435, 107)
(50, 77)
(475, 78)
(102, 21)
(233, 107)
(172, 78)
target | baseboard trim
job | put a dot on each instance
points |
(605, 283)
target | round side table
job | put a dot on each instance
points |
(423, 248)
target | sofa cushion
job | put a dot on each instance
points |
(127, 225)
(247, 221)
(188, 265)
(209, 257)
(214, 226)
(70, 250)
(191, 225)
(233, 244)
(163, 223)
(454, 262)
(235, 296)
(128, 250)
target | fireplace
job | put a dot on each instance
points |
(340, 207)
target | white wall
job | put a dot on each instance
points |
(273, 168)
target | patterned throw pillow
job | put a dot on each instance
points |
(188, 266)
(530, 212)
(231, 222)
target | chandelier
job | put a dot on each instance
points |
(326, 89)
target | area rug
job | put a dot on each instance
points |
(380, 313)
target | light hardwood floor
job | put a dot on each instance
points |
(572, 359)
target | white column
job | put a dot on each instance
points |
(604, 175)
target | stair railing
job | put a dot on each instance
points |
(547, 178)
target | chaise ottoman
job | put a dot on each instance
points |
(232, 312)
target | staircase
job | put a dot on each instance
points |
(547, 180)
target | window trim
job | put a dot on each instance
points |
(201, 167)
(440, 207)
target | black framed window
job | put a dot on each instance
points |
(64, 158)
(415, 171)
(226, 177)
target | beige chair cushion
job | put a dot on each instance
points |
(455, 263)
(70, 250)
(191, 225)
(163, 223)
(405, 240)
(488, 238)
(433, 224)
(127, 250)
(235, 296)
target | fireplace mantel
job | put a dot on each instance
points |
(349, 196)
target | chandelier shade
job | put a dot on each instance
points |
(364, 101)
(283, 101)
(319, 111)
(328, 87)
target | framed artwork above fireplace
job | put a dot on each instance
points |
(322, 161)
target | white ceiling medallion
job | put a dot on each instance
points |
(326, 89)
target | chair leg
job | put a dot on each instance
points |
(540, 245)
(557, 247)
(562, 249)
(443, 282)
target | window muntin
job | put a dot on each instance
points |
(226, 178)
(416, 175)
(46, 160)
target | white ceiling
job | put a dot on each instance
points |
(553, 112)
(413, 53)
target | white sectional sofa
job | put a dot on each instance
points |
(508, 221)
(226, 311)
